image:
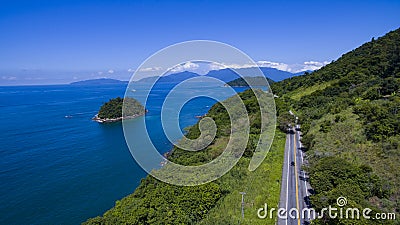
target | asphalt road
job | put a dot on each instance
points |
(294, 186)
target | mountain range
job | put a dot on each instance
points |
(100, 81)
(226, 75)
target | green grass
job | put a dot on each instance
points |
(346, 139)
(303, 91)
(262, 186)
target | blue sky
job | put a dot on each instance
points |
(53, 40)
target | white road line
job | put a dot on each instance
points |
(287, 181)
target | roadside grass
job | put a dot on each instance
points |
(346, 139)
(303, 91)
(261, 186)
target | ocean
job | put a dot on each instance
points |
(57, 166)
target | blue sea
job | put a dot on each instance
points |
(57, 166)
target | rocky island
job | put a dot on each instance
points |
(111, 111)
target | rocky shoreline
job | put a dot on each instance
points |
(112, 120)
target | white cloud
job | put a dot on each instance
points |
(293, 68)
(204, 68)
(149, 69)
(219, 66)
(280, 66)
(111, 71)
(131, 70)
(276, 65)
(188, 66)
(313, 65)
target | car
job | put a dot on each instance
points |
(292, 163)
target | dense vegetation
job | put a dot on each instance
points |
(113, 108)
(350, 123)
(253, 81)
(156, 202)
(350, 118)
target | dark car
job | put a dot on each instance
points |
(292, 163)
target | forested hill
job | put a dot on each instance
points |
(376, 59)
(350, 116)
(253, 81)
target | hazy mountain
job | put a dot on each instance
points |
(229, 75)
(226, 75)
(172, 78)
(101, 81)
(302, 73)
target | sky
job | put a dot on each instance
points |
(44, 42)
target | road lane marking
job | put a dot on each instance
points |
(295, 172)
(287, 179)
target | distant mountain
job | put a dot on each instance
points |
(172, 78)
(229, 75)
(148, 79)
(302, 73)
(178, 77)
(275, 74)
(101, 81)
(226, 75)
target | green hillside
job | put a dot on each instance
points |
(349, 111)
(350, 115)
(156, 202)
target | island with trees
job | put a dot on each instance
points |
(247, 81)
(111, 111)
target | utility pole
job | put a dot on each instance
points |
(242, 193)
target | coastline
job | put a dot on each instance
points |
(113, 120)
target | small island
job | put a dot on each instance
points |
(111, 111)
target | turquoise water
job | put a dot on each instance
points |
(63, 170)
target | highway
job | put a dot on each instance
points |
(294, 185)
